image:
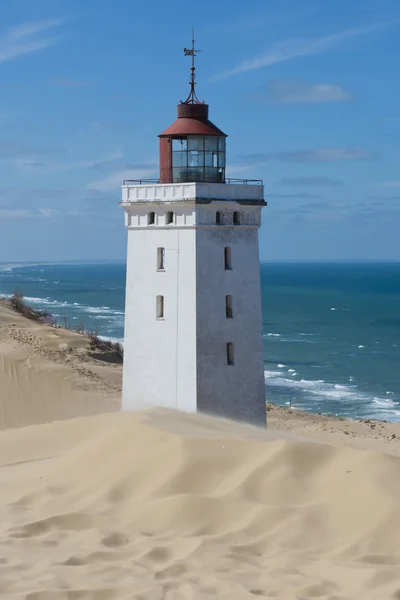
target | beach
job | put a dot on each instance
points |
(98, 503)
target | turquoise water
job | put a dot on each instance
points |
(332, 337)
(331, 331)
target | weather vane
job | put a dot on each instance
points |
(192, 98)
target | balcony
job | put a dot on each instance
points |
(129, 182)
(234, 190)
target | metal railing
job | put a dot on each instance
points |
(141, 181)
(244, 181)
(229, 180)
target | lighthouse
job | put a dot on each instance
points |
(193, 322)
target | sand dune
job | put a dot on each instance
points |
(47, 374)
(129, 505)
(159, 505)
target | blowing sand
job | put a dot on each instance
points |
(158, 505)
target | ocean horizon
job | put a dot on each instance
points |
(331, 328)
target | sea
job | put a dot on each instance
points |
(331, 331)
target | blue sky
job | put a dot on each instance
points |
(308, 93)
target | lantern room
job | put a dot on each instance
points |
(192, 149)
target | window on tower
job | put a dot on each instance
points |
(151, 218)
(218, 218)
(236, 218)
(160, 259)
(160, 307)
(169, 217)
(228, 307)
(228, 258)
(230, 354)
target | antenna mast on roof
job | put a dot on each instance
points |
(192, 98)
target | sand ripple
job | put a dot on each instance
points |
(156, 505)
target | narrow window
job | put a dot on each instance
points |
(160, 307)
(151, 218)
(236, 218)
(160, 259)
(218, 218)
(230, 356)
(170, 217)
(228, 258)
(228, 307)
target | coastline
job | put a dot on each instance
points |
(321, 354)
(93, 382)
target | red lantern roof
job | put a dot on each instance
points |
(192, 120)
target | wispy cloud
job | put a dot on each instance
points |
(25, 202)
(297, 92)
(390, 184)
(295, 48)
(253, 24)
(326, 155)
(384, 199)
(70, 83)
(30, 164)
(300, 195)
(113, 181)
(27, 38)
(311, 181)
(13, 151)
(317, 155)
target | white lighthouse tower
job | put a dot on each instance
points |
(193, 325)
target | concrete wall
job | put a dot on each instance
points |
(160, 355)
(180, 361)
(190, 191)
(236, 391)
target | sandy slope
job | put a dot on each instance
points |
(132, 506)
(158, 505)
(48, 374)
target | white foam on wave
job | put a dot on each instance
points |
(114, 340)
(299, 340)
(385, 403)
(317, 387)
(45, 301)
(274, 334)
(375, 407)
(272, 373)
(98, 310)
(360, 346)
(281, 366)
(102, 310)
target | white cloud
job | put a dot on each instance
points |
(114, 181)
(317, 155)
(296, 92)
(311, 181)
(390, 184)
(33, 166)
(26, 38)
(327, 155)
(295, 48)
(17, 213)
